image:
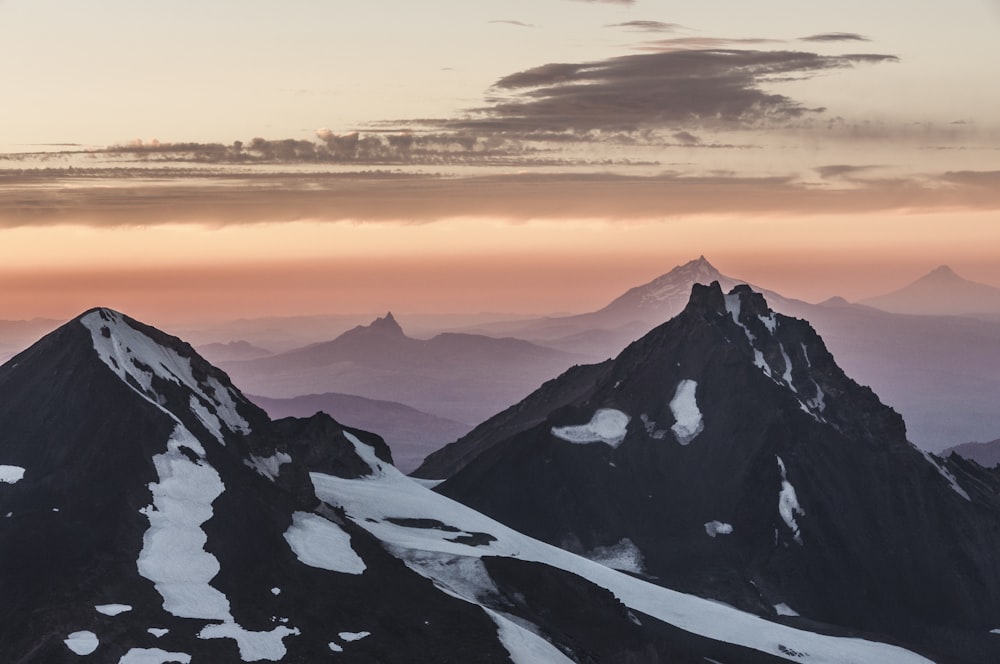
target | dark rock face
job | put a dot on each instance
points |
(751, 470)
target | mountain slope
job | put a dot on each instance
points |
(461, 377)
(726, 454)
(152, 514)
(940, 292)
(986, 454)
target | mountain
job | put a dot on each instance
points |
(986, 455)
(461, 377)
(940, 292)
(411, 434)
(942, 373)
(727, 455)
(152, 514)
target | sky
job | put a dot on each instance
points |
(216, 159)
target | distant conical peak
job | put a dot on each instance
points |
(943, 272)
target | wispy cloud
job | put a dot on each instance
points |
(835, 37)
(519, 24)
(648, 26)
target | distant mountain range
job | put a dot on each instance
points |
(986, 454)
(150, 513)
(412, 434)
(726, 454)
(940, 292)
(461, 377)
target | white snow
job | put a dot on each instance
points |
(158, 631)
(275, 591)
(651, 430)
(11, 474)
(783, 609)
(769, 321)
(334, 647)
(787, 376)
(607, 426)
(684, 407)
(82, 643)
(270, 466)
(353, 636)
(713, 528)
(995, 631)
(945, 473)
(254, 646)
(320, 543)
(523, 645)
(153, 656)
(430, 484)
(624, 555)
(173, 552)
(788, 503)
(370, 500)
(112, 609)
(126, 346)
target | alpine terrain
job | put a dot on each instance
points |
(725, 454)
(150, 513)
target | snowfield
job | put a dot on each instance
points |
(371, 501)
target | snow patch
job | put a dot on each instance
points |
(11, 474)
(945, 473)
(787, 376)
(112, 609)
(320, 543)
(430, 484)
(137, 359)
(607, 426)
(770, 322)
(153, 656)
(788, 503)
(353, 636)
(173, 552)
(158, 631)
(275, 591)
(624, 555)
(82, 643)
(334, 647)
(651, 430)
(783, 609)
(254, 646)
(713, 528)
(269, 467)
(684, 407)
(523, 645)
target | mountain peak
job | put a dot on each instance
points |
(942, 272)
(386, 325)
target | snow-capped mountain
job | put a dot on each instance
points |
(461, 377)
(150, 513)
(940, 292)
(727, 455)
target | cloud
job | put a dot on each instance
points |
(648, 26)
(519, 24)
(835, 37)
(235, 198)
(715, 88)
(834, 171)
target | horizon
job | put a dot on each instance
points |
(528, 158)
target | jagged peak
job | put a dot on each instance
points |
(385, 325)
